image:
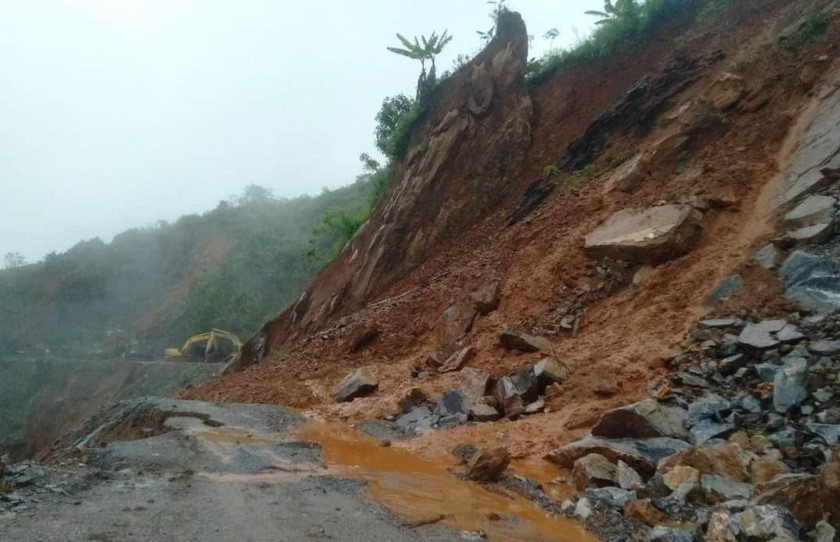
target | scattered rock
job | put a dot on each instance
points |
(605, 386)
(726, 460)
(725, 288)
(613, 497)
(488, 465)
(721, 323)
(767, 256)
(823, 532)
(816, 234)
(719, 529)
(825, 348)
(718, 489)
(463, 453)
(626, 477)
(645, 419)
(452, 403)
(359, 383)
(627, 177)
(767, 522)
(813, 210)
(757, 338)
(583, 509)
(640, 454)
(454, 323)
(709, 429)
(481, 412)
(679, 475)
(523, 342)
(660, 533)
(514, 407)
(642, 274)
(457, 360)
(726, 91)
(486, 298)
(651, 236)
(642, 509)
(535, 407)
(790, 385)
(593, 470)
(549, 371)
(474, 383)
(811, 280)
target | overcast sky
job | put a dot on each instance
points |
(120, 113)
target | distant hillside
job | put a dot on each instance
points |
(230, 268)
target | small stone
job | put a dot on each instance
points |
(709, 429)
(823, 532)
(535, 407)
(828, 432)
(605, 386)
(710, 406)
(766, 522)
(790, 334)
(359, 383)
(767, 371)
(642, 274)
(523, 342)
(717, 489)
(790, 385)
(583, 509)
(514, 407)
(751, 404)
(550, 371)
(487, 465)
(644, 510)
(757, 338)
(474, 383)
(719, 529)
(660, 533)
(456, 361)
(732, 364)
(679, 475)
(627, 477)
(825, 348)
(720, 323)
(823, 395)
(726, 91)
(767, 256)
(614, 497)
(766, 469)
(593, 470)
(452, 403)
(483, 413)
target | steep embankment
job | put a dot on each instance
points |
(708, 107)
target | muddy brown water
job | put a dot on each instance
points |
(421, 490)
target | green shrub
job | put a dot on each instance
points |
(397, 144)
(392, 110)
(814, 27)
(624, 27)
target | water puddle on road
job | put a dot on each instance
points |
(421, 491)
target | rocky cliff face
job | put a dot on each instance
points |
(457, 171)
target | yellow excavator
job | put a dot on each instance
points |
(215, 345)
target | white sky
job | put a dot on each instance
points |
(119, 113)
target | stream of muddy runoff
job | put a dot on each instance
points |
(421, 491)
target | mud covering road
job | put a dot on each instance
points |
(160, 469)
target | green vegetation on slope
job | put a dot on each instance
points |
(151, 287)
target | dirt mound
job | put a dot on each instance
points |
(440, 232)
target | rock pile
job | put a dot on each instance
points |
(738, 442)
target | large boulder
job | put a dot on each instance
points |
(488, 465)
(593, 470)
(811, 279)
(645, 419)
(727, 461)
(813, 210)
(359, 383)
(810, 498)
(650, 236)
(640, 454)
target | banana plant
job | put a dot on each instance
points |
(618, 10)
(423, 49)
